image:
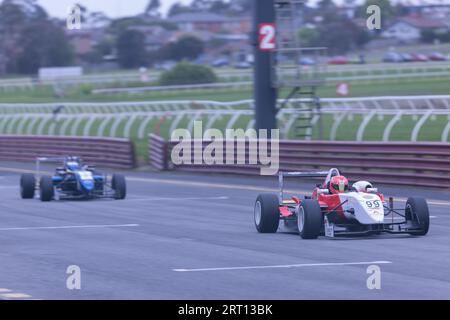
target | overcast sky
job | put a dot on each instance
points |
(118, 8)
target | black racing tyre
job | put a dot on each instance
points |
(119, 185)
(267, 213)
(27, 185)
(46, 188)
(417, 213)
(309, 219)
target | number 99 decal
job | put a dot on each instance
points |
(373, 204)
(267, 37)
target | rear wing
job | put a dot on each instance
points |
(40, 160)
(46, 159)
(311, 174)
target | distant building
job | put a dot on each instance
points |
(348, 11)
(409, 29)
(431, 11)
(93, 31)
(210, 22)
(155, 36)
(81, 41)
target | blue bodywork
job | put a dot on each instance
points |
(76, 180)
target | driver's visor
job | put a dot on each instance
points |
(340, 187)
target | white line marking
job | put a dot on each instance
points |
(438, 203)
(4, 290)
(285, 266)
(177, 199)
(207, 184)
(15, 295)
(71, 227)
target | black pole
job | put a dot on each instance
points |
(265, 94)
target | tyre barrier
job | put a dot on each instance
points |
(157, 152)
(400, 163)
(106, 152)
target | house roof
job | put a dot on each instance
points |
(202, 17)
(423, 23)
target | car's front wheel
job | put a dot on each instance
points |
(267, 213)
(27, 186)
(417, 215)
(119, 186)
(309, 219)
(46, 188)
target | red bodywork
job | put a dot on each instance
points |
(328, 202)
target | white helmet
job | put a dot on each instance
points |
(362, 186)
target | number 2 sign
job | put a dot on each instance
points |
(267, 37)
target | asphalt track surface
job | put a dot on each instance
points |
(184, 236)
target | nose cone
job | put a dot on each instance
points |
(88, 185)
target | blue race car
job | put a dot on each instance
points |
(73, 180)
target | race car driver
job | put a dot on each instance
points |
(362, 186)
(338, 184)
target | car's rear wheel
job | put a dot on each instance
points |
(46, 188)
(119, 186)
(418, 215)
(267, 213)
(309, 219)
(27, 185)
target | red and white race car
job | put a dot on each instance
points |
(335, 209)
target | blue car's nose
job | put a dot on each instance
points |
(88, 185)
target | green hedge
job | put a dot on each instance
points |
(186, 73)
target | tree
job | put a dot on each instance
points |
(335, 31)
(326, 5)
(202, 5)
(101, 49)
(430, 36)
(220, 7)
(178, 8)
(241, 6)
(308, 36)
(215, 6)
(187, 47)
(30, 40)
(131, 51)
(12, 22)
(153, 7)
(46, 48)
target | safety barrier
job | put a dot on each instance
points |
(247, 85)
(351, 72)
(371, 118)
(400, 163)
(105, 152)
(158, 152)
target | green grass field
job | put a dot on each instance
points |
(395, 87)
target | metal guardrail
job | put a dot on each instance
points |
(192, 87)
(339, 72)
(128, 119)
(400, 163)
(106, 152)
(244, 85)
